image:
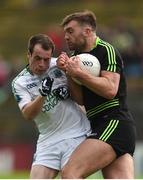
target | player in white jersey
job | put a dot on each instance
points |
(41, 91)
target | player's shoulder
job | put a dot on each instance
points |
(21, 76)
(53, 61)
(105, 45)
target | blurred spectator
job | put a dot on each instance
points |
(8, 70)
(133, 62)
(4, 76)
(126, 39)
(4, 71)
(123, 37)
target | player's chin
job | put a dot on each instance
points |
(71, 47)
(40, 72)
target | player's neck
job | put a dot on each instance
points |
(90, 42)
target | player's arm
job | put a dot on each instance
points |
(75, 91)
(32, 109)
(106, 85)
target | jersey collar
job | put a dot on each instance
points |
(96, 42)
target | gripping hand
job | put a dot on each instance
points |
(46, 86)
(62, 92)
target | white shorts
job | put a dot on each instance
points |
(56, 155)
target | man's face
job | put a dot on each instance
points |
(39, 60)
(74, 36)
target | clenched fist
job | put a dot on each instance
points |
(46, 86)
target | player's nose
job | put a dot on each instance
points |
(42, 63)
(66, 37)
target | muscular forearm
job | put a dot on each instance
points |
(31, 110)
(105, 85)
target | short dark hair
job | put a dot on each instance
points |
(84, 17)
(44, 40)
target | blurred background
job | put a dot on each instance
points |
(119, 22)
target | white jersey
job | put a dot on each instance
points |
(59, 119)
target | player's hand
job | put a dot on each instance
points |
(62, 92)
(46, 86)
(73, 66)
(62, 61)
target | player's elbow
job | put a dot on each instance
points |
(27, 116)
(110, 94)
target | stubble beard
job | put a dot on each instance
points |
(80, 47)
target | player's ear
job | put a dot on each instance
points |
(87, 31)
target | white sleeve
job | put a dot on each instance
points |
(21, 95)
